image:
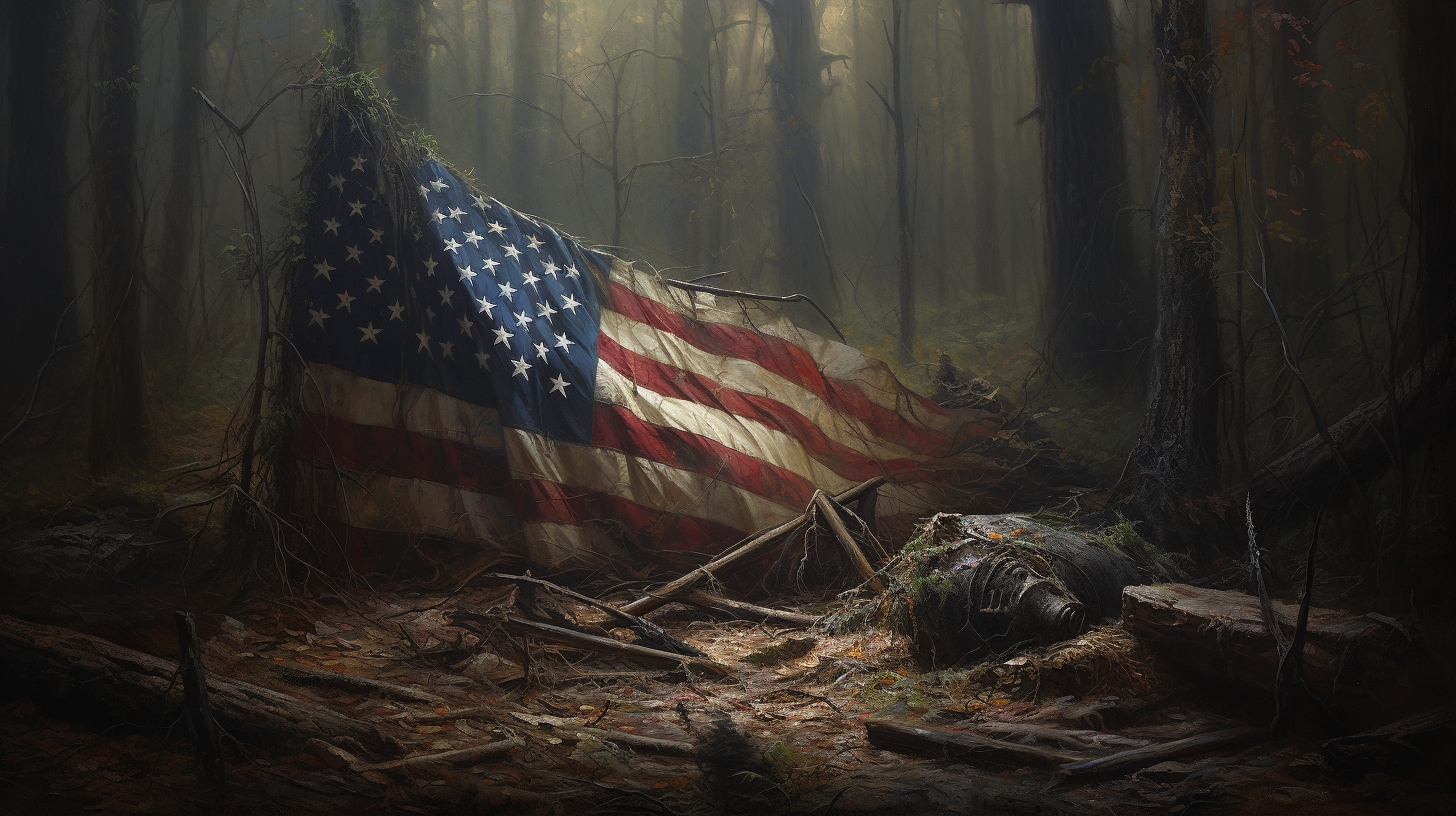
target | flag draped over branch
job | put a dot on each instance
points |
(473, 375)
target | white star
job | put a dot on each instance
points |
(445, 348)
(336, 181)
(571, 271)
(424, 191)
(345, 299)
(551, 267)
(485, 304)
(430, 267)
(466, 326)
(522, 318)
(472, 238)
(535, 243)
(490, 264)
(455, 214)
(496, 228)
(319, 316)
(354, 254)
(439, 184)
(424, 342)
(507, 289)
(484, 360)
(358, 163)
(452, 245)
(429, 315)
(393, 264)
(374, 284)
(559, 383)
(331, 226)
(569, 303)
(445, 295)
(510, 250)
(369, 331)
(356, 208)
(530, 279)
(480, 202)
(376, 235)
(540, 350)
(502, 337)
(396, 310)
(563, 342)
(521, 366)
(466, 274)
(438, 217)
(543, 309)
(323, 268)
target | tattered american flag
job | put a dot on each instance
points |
(483, 378)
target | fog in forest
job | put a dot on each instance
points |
(1188, 258)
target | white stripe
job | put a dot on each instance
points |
(343, 395)
(373, 501)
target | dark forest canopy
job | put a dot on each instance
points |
(1000, 183)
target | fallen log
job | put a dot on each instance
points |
(114, 681)
(304, 676)
(830, 511)
(1356, 666)
(944, 743)
(592, 643)
(637, 742)
(338, 757)
(1124, 762)
(743, 610)
(737, 555)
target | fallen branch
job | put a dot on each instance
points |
(645, 629)
(592, 643)
(206, 740)
(1135, 759)
(831, 516)
(1397, 742)
(742, 610)
(736, 556)
(317, 677)
(638, 742)
(890, 735)
(339, 758)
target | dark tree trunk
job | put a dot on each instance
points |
(409, 55)
(1172, 467)
(485, 132)
(525, 132)
(694, 119)
(120, 433)
(798, 95)
(35, 271)
(179, 212)
(985, 179)
(1430, 87)
(896, 108)
(1098, 302)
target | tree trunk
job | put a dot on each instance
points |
(1097, 304)
(1430, 88)
(120, 433)
(179, 213)
(798, 96)
(34, 220)
(485, 132)
(985, 179)
(694, 119)
(409, 54)
(1173, 464)
(525, 134)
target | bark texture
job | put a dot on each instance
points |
(409, 55)
(985, 183)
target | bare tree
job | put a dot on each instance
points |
(895, 107)
(525, 136)
(409, 54)
(985, 178)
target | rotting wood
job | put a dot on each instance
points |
(743, 610)
(637, 742)
(830, 511)
(645, 629)
(592, 643)
(737, 555)
(890, 735)
(317, 677)
(1134, 759)
(339, 758)
(89, 672)
(206, 740)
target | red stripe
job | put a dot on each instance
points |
(401, 453)
(617, 428)
(671, 381)
(540, 500)
(789, 361)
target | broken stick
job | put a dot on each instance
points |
(317, 677)
(592, 643)
(746, 611)
(206, 739)
(736, 556)
(645, 629)
(890, 735)
(338, 757)
(830, 511)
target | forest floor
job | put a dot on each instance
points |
(782, 734)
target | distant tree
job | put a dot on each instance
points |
(120, 432)
(525, 135)
(409, 59)
(1098, 306)
(1430, 86)
(985, 177)
(894, 103)
(1172, 470)
(35, 270)
(695, 115)
(485, 130)
(179, 211)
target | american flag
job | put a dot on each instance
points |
(474, 375)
